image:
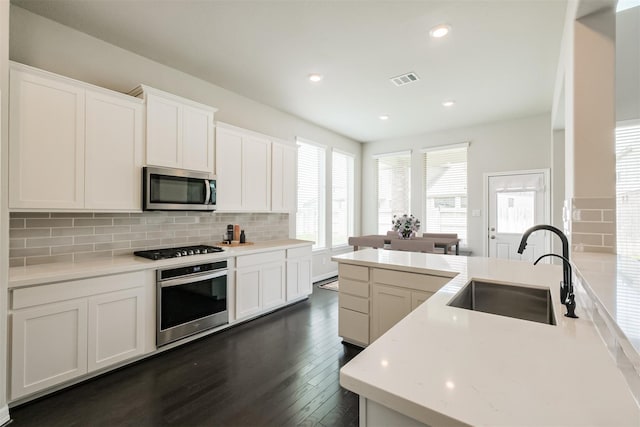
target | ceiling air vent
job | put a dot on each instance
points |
(404, 79)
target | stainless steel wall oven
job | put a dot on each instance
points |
(190, 299)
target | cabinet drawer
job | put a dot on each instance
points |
(299, 252)
(420, 282)
(354, 287)
(261, 258)
(63, 291)
(353, 326)
(353, 272)
(354, 303)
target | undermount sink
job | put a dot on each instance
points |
(515, 301)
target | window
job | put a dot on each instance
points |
(445, 183)
(342, 199)
(393, 187)
(628, 189)
(310, 218)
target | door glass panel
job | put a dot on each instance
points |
(515, 211)
(192, 301)
(173, 189)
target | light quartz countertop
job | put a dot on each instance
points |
(56, 272)
(443, 365)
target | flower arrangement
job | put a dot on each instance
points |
(405, 225)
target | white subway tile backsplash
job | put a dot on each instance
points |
(37, 238)
(71, 231)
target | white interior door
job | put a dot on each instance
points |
(517, 201)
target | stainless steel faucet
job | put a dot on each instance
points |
(567, 295)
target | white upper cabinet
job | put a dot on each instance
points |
(228, 170)
(113, 152)
(256, 173)
(179, 131)
(284, 159)
(46, 141)
(72, 146)
(243, 170)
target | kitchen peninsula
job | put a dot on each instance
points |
(443, 365)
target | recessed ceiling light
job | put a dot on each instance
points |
(448, 103)
(315, 77)
(383, 117)
(440, 31)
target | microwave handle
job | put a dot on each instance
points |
(207, 197)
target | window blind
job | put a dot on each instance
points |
(445, 184)
(342, 198)
(310, 217)
(393, 188)
(628, 190)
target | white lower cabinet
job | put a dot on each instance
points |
(116, 327)
(260, 282)
(55, 338)
(49, 346)
(248, 298)
(299, 273)
(389, 306)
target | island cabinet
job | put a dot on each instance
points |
(372, 300)
(395, 294)
(66, 330)
(72, 145)
(243, 169)
(260, 283)
(179, 131)
(353, 312)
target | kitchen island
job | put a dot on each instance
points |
(443, 365)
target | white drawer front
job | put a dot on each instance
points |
(261, 258)
(353, 272)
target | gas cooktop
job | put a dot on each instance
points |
(156, 254)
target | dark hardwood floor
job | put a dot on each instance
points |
(280, 369)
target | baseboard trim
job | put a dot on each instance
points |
(5, 418)
(324, 276)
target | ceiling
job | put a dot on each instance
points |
(498, 62)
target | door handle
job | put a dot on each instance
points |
(493, 237)
(493, 229)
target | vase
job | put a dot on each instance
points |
(405, 234)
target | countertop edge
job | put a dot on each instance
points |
(42, 274)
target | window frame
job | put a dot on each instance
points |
(319, 245)
(423, 186)
(376, 158)
(351, 199)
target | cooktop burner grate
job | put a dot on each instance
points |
(156, 254)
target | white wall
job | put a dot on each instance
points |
(45, 44)
(496, 147)
(4, 203)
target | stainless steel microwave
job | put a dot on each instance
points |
(167, 189)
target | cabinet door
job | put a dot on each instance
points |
(283, 178)
(114, 144)
(48, 347)
(256, 174)
(389, 306)
(418, 298)
(46, 143)
(298, 278)
(164, 132)
(229, 170)
(248, 292)
(116, 327)
(273, 285)
(197, 139)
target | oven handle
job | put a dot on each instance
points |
(207, 196)
(191, 279)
